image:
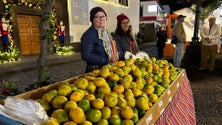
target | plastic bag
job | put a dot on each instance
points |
(28, 112)
(140, 54)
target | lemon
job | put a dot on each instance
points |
(81, 83)
(127, 112)
(59, 102)
(60, 115)
(77, 95)
(98, 103)
(93, 115)
(106, 112)
(69, 105)
(77, 115)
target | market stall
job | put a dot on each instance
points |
(174, 106)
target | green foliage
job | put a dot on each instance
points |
(64, 50)
(8, 89)
(205, 12)
(11, 56)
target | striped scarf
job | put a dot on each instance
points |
(108, 43)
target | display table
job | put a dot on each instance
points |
(174, 107)
(180, 110)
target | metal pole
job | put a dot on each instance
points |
(195, 39)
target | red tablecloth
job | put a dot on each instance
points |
(180, 110)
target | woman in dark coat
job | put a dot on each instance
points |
(97, 46)
(124, 38)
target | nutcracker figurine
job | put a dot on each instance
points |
(4, 33)
(61, 31)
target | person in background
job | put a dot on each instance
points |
(179, 32)
(4, 33)
(161, 36)
(97, 46)
(210, 35)
(124, 37)
(61, 31)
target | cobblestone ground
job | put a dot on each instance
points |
(58, 73)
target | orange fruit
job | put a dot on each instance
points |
(77, 115)
(148, 89)
(81, 83)
(104, 89)
(44, 104)
(115, 120)
(51, 121)
(86, 123)
(60, 115)
(98, 103)
(69, 105)
(90, 97)
(77, 95)
(127, 112)
(64, 90)
(59, 101)
(91, 87)
(127, 122)
(84, 104)
(142, 103)
(114, 77)
(111, 100)
(102, 122)
(118, 89)
(120, 64)
(106, 112)
(100, 81)
(69, 123)
(93, 115)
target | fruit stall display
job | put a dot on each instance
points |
(117, 94)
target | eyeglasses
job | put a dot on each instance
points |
(125, 23)
(100, 17)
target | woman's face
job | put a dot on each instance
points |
(125, 25)
(99, 20)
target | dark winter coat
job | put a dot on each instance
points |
(92, 49)
(161, 38)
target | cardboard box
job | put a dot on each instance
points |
(151, 116)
